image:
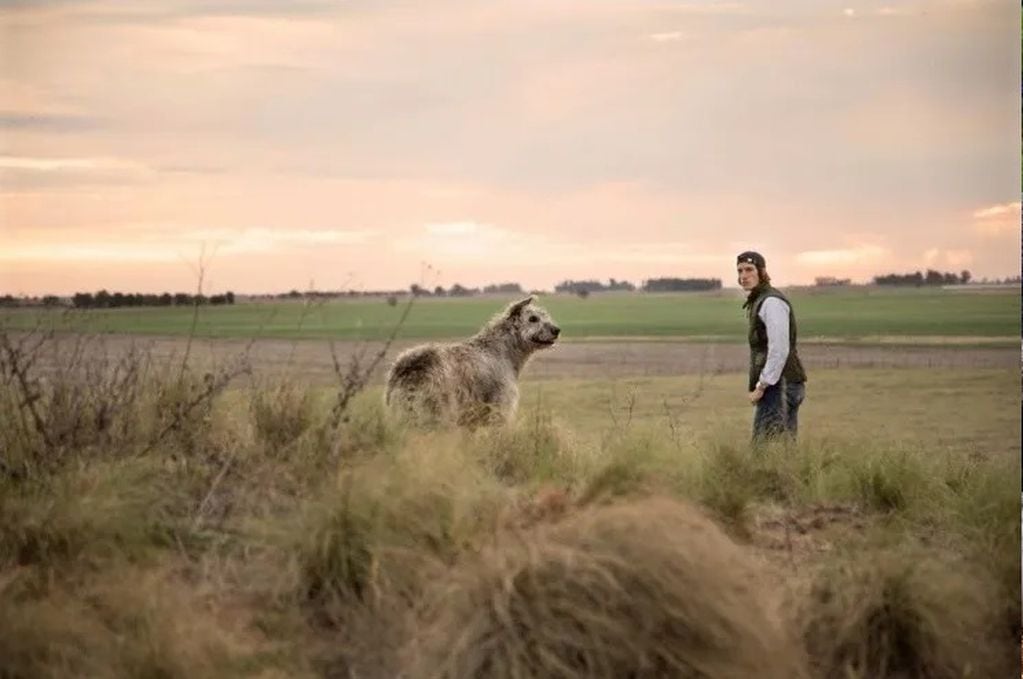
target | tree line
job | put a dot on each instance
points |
(585, 287)
(115, 300)
(931, 277)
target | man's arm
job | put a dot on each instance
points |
(775, 314)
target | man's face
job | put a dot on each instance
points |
(748, 276)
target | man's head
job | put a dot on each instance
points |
(751, 268)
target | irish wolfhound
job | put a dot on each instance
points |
(473, 382)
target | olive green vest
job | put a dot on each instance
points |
(793, 370)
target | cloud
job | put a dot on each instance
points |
(862, 254)
(83, 252)
(47, 122)
(958, 258)
(466, 239)
(997, 221)
(27, 173)
(58, 164)
(171, 243)
(99, 10)
(936, 257)
(447, 243)
(997, 211)
(894, 11)
(237, 241)
(669, 36)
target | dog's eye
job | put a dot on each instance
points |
(533, 319)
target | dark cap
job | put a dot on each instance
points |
(750, 257)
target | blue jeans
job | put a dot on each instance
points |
(778, 410)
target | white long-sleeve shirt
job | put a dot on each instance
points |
(774, 312)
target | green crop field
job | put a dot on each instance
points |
(856, 314)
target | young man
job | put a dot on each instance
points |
(776, 376)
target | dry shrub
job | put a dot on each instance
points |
(123, 623)
(365, 428)
(372, 531)
(535, 448)
(985, 510)
(84, 516)
(61, 398)
(51, 638)
(360, 553)
(904, 612)
(649, 589)
(281, 413)
(633, 462)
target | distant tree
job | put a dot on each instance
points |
(931, 277)
(439, 291)
(229, 296)
(51, 300)
(613, 285)
(503, 288)
(458, 290)
(573, 287)
(83, 300)
(681, 284)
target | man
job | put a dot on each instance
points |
(776, 376)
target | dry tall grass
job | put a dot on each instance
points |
(646, 589)
(163, 521)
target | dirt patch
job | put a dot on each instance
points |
(792, 537)
(311, 362)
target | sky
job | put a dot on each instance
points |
(350, 144)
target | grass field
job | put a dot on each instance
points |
(161, 519)
(856, 314)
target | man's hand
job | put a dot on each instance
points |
(756, 394)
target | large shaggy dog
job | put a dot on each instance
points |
(474, 382)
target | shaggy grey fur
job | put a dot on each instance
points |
(473, 382)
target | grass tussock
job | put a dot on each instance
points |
(372, 531)
(122, 623)
(651, 589)
(904, 611)
(535, 448)
(85, 517)
(281, 413)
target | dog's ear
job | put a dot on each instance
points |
(516, 308)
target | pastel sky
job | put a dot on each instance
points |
(372, 144)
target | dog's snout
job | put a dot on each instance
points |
(555, 330)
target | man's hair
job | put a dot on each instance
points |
(757, 260)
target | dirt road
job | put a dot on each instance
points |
(312, 361)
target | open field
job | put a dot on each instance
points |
(866, 315)
(311, 361)
(245, 513)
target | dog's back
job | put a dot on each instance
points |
(411, 370)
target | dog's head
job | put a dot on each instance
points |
(532, 324)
